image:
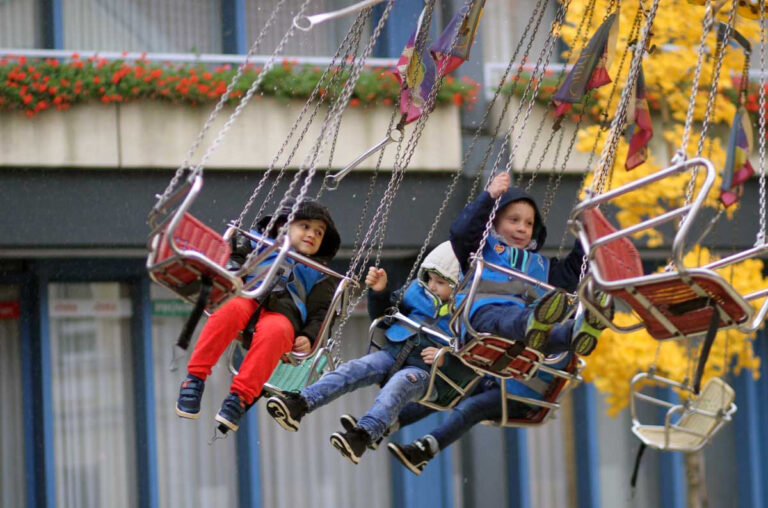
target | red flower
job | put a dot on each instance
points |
(96, 80)
(354, 102)
(457, 99)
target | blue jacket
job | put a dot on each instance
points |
(466, 233)
(419, 304)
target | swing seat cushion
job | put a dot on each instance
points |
(669, 294)
(292, 378)
(182, 273)
(694, 429)
(491, 355)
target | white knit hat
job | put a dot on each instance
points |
(443, 261)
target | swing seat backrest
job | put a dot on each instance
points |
(202, 253)
(672, 305)
(538, 415)
(500, 357)
(698, 424)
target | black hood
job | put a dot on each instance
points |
(308, 210)
(539, 229)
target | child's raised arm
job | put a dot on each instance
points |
(379, 296)
(468, 228)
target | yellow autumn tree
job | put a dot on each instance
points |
(668, 74)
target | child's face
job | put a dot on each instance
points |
(515, 224)
(439, 286)
(306, 235)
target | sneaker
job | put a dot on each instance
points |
(190, 393)
(548, 310)
(349, 422)
(588, 327)
(232, 410)
(351, 443)
(224, 429)
(287, 409)
(414, 456)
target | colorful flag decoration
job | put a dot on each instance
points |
(416, 74)
(591, 69)
(737, 168)
(639, 120)
(469, 18)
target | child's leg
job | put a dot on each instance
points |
(220, 329)
(467, 413)
(509, 321)
(272, 337)
(349, 376)
(560, 338)
(406, 385)
(412, 413)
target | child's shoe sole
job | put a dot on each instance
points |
(585, 338)
(340, 443)
(398, 453)
(279, 411)
(184, 414)
(548, 311)
(222, 420)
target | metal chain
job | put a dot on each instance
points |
(219, 105)
(249, 94)
(762, 112)
(708, 22)
(339, 60)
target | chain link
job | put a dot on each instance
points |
(219, 105)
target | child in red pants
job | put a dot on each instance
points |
(289, 318)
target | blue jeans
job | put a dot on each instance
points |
(484, 403)
(406, 385)
(510, 321)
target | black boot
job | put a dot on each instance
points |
(414, 456)
(351, 443)
(287, 409)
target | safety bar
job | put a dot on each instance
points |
(393, 136)
(336, 309)
(420, 327)
(678, 245)
(305, 260)
(305, 23)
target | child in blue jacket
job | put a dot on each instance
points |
(510, 307)
(400, 365)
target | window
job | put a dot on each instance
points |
(11, 433)
(190, 473)
(169, 26)
(91, 377)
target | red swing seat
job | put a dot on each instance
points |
(184, 252)
(670, 305)
(543, 409)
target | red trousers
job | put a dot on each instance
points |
(272, 337)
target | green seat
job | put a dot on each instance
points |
(288, 378)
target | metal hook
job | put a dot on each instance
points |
(305, 23)
(332, 181)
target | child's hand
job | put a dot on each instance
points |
(428, 355)
(376, 279)
(301, 344)
(499, 185)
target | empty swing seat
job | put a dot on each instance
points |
(689, 427)
(670, 305)
(202, 253)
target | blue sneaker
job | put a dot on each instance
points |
(190, 393)
(548, 310)
(588, 327)
(232, 410)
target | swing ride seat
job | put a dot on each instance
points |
(488, 353)
(183, 252)
(298, 370)
(688, 426)
(445, 389)
(670, 305)
(542, 410)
